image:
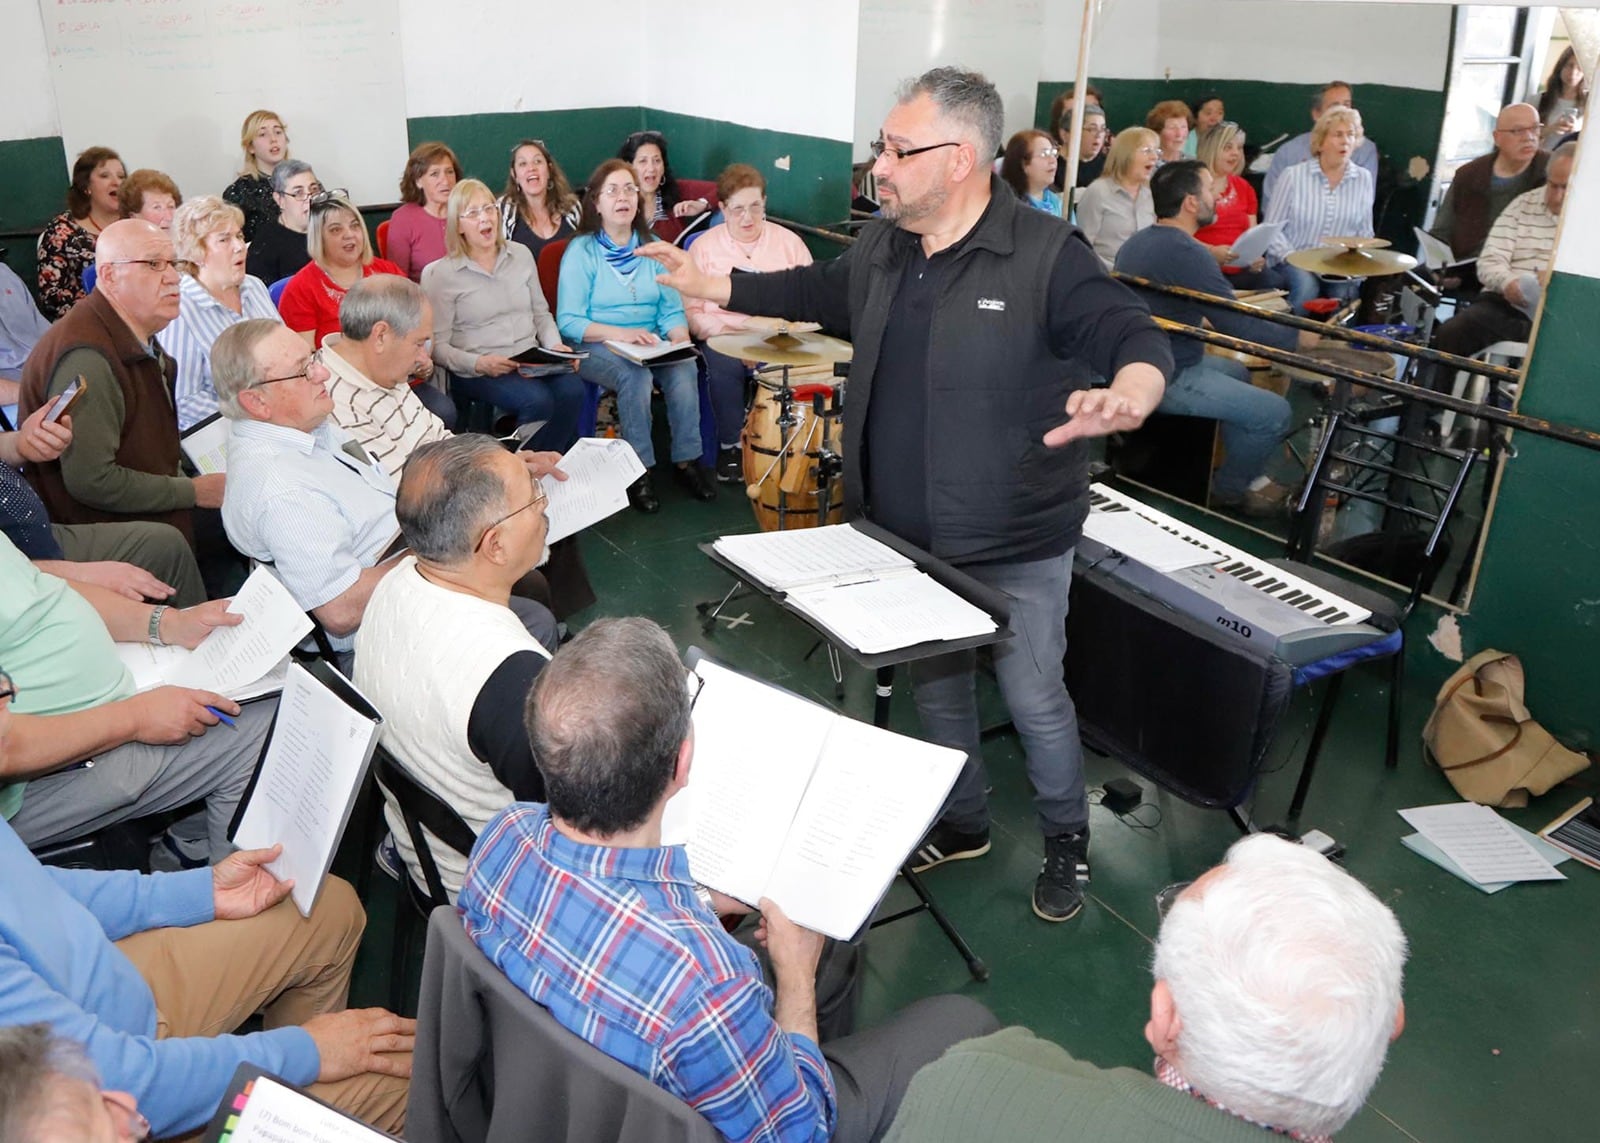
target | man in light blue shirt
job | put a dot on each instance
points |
(1298, 149)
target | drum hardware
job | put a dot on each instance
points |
(1353, 258)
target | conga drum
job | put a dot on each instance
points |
(783, 440)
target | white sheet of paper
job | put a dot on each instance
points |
(206, 446)
(888, 614)
(275, 1113)
(644, 354)
(836, 553)
(233, 657)
(318, 751)
(1253, 243)
(1148, 543)
(1481, 842)
(873, 796)
(1425, 848)
(599, 470)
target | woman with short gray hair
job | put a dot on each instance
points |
(214, 293)
(278, 250)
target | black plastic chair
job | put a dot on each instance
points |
(1352, 462)
(424, 813)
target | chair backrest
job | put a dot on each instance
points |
(421, 809)
(490, 1062)
(1416, 484)
(550, 269)
(275, 291)
(89, 276)
(383, 239)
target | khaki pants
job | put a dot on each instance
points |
(208, 979)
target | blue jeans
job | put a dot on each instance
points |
(1028, 667)
(1254, 421)
(633, 384)
(437, 402)
(726, 378)
(557, 400)
(1304, 285)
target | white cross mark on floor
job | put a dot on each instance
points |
(741, 620)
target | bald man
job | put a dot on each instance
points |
(123, 461)
(1484, 187)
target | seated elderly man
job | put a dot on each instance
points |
(1513, 266)
(302, 496)
(580, 904)
(123, 461)
(134, 558)
(385, 323)
(1298, 149)
(1277, 994)
(86, 751)
(1484, 187)
(441, 653)
(51, 1093)
(151, 973)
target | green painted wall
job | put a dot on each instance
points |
(580, 139)
(1538, 590)
(1403, 121)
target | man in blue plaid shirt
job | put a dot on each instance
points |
(582, 907)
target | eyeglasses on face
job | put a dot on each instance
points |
(1046, 152)
(1519, 132)
(754, 210)
(302, 193)
(879, 149)
(539, 497)
(315, 361)
(159, 265)
(480, 210)
(618, 191)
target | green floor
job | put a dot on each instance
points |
(1501, 990)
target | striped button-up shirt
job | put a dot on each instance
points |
(1311, 208)
(615, 944)
(200, 321)
(303, 502)
(390, 423)
(1520, 241)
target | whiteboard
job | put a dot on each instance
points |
(166, 83)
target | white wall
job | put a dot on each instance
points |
(27, 97)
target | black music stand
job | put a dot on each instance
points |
(884, 664)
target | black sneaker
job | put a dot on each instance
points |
(693, 479)
(941, 844)
(730, 465)
(1058, 893)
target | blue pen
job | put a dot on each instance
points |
(226, 721)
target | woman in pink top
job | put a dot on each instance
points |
(416, 230)
(745, 242)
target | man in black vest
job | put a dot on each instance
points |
(976, 321)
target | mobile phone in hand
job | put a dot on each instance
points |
(69, 397)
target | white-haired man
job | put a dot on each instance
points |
(1277, 994)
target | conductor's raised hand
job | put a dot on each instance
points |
(1097, 412)
(683, 275)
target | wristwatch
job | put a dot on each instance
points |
(154, 631)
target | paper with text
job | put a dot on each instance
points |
(599, 470)
(805, 557)
(307, 782)
(1481, 842)
(888, 614)
(233, 657)
(270, 1112)
(1253, 243)
(206, 444)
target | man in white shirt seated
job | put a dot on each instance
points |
(1298, 149)
(440, 651)
(1513, 266)
(385, 324)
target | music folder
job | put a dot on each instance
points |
(260, 1107)
(312, 765)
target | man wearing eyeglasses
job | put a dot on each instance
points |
(976, 321)
(123, 463)
(1483, 188)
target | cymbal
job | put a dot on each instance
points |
(1353, 258)
(782, 348)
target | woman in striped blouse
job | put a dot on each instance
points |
(1327, 196)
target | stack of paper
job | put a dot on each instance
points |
(598, 471)
(809, 557)
(1145, 541)
(1480, 846)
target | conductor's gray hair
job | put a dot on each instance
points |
(966, 99)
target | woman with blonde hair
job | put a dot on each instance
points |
(488, 307)
(1117, 204)
(1327, 196)
(264, 139)
(214, 293)
(150, 195)
(416, 234)
(538, 206)
(1221, 149)
(341, 255)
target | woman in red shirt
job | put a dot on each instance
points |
(1221, 148)
(341, 255)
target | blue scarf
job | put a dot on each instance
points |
(619, 258)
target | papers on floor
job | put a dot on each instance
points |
(1144, 541)
(862, 592)
(658, 353)
(599, 470)
(205, 443)
(242, 662)
(261, 1108)
(311, 770)
(1482, 844)
(1421, 846)
(1253, 243)
(819, 816)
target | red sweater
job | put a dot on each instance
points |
(310, 301)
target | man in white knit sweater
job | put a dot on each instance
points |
(440, 653)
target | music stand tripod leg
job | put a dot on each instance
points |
(975, 965)
(709, 614)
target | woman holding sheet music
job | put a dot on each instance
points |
(608, 297)
(488, 307)
(1222, 149)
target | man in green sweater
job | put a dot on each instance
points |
(1277, 994)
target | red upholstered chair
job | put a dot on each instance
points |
(383, 239)
(550, 269)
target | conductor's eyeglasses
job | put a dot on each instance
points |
(879, 149)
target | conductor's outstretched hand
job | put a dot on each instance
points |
(1097, 412)
(684, 276)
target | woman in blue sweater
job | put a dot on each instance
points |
(609, 294)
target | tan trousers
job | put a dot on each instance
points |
(209, 979)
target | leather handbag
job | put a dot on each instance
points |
(1482, 735)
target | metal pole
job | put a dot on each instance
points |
(1080, 89)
